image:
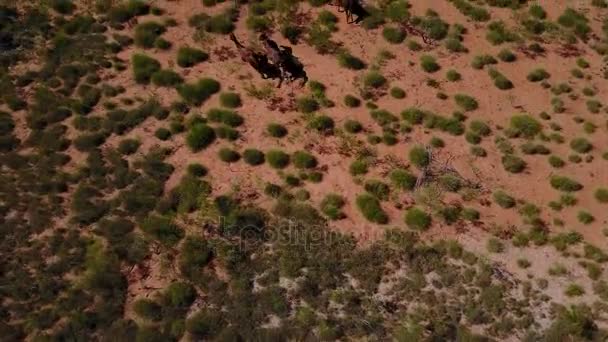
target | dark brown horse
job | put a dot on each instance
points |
(352, 8)
(258, 61)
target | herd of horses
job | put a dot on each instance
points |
(278, 62)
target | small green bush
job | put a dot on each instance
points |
(351, 101)
(307, 105)
(162, 133)
(332, 205)
(417, 219)
(200, 136)
(128, 146)
(230, 100)
(197, 170)
(197, 93)
(303, 160)
(322, 124)
(556, 162)
(480, 61)
(513, 163)
(419, 157)
(538, 75)
(503, 199)
(429, 64)
(601, 195)
(147, 33)
(397, 93)
(374, 80)
(377, 188)
(228, 155)
(393, 35)
(403, 179)
(506, 55)
(525, 125)
(581, 145)
(144, 67)
(148, 309)
(466, 102)
(188, 57)
(495, 246)
(348, 61)
(565, 184)
(453, 76)
(277, 159)
(537, 11)
(166, 78)
(585, 217)
(371, 209)
(353, 126)
(254, 157)
(276, 130)
(224, 116)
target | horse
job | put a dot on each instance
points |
(351, 8)
(258, 61)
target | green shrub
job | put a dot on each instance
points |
(322, 124)
(230, 100)
(575, 21)
(254, 157)
(197, 93)
(437, 142)
(371, 209)
(166, 78)
(147, 33)
(148, 309)
(353, 126)
(556, 162)
(417, 219)
(397, 93)
(128, 146)
(480, 61)
(500, 81)
(162, 133)
(419, 157)
(331, 206)
(348, 61)
(303, 160)
(393, 35)
(495, 246)
(199, 137)
(228, 155)
(374, 80)
(563, 183)
(466, 102)
(377, 188)
(479, 127)
(307, 105)
(180, 294)
(574, 290)
(276, 130)
(450, 182)
(277, 159)
(351, 101)
(358, 167)
(205, 324)
(144, 67)
(62, 6)
(525, 125)
(403, 179)
(537, 11)
(601, 195)
(429, 64)
(197, 170)
(506, 55)
(498, 33)
(163, 229)
(585, 217)
(188, 57)
(504, 200)
(227, 117)
(581, 145)
(513, 163)
(538, 75)
(453, 76)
